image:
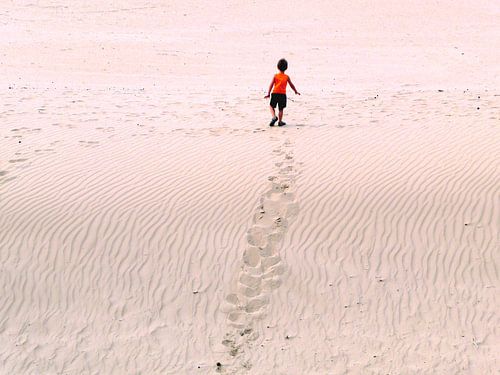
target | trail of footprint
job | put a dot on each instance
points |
(261, 268)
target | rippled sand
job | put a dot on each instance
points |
(151, 222)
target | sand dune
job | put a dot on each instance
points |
(152, 223)
(129, 244)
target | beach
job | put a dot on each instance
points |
(151, 222)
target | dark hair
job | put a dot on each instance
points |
(282, 65)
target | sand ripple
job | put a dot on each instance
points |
(133, 245)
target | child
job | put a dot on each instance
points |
(278, 96)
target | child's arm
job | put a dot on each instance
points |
(270, 88)
(292, 86)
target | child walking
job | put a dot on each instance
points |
(278, 96)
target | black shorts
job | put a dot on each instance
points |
(279, 99)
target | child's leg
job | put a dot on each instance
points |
(280, 115)
(273, 113)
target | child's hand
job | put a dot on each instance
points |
(267, 96)
(297, 93)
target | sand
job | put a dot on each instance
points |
(151, 222)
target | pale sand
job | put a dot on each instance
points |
(152, 223)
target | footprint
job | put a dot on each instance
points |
(261, 267)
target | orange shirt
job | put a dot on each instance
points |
(280, 82)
